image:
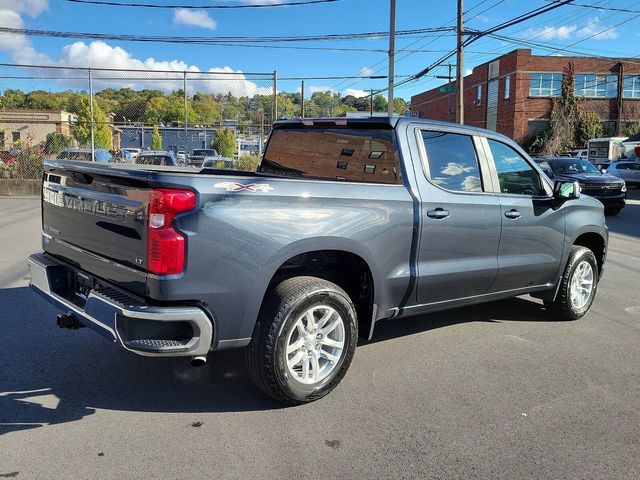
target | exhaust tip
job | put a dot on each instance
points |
(198, 361)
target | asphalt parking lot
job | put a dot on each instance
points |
(495, 391)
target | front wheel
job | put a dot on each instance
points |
(612, 212)
(304, 340)
(578, 287)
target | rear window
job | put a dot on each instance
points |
(154, 160)
(360, 155)
(204, 152)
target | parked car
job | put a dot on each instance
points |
(156, 157)
(132, 151)
(608, 189)
(84, 154)
(346, 222)
(8, 156)
(198, 155)
(219, 162)
(629, 171)
(122, 156)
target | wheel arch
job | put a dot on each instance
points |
(595, 242)
(347, 265)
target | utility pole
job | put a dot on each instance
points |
(460, 67)
(302, 100)
(392, 52)
(93, 141)
(275, 97)
(371, 103)
(186, 118)
(450, 79)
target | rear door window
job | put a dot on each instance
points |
(452, 161)
(352, 154)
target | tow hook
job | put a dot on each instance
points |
(68, 320)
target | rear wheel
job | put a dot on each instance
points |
(612, 211)
(304, 340)
(578, 287)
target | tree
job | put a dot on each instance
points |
(13, 99)
(156, 139)
(570, 124)
(156, 110)
(82, 130)
(56, 141)
(399, 105)
(379, 103)
(224, 142)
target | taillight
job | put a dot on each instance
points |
(165, 246)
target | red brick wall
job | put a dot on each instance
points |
(514, 113)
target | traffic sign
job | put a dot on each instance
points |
(447, 89)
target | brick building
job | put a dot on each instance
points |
(513, 94)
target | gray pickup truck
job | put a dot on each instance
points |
(345, 223)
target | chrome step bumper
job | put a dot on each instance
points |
(143, 329)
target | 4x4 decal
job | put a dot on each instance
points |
(250, 187)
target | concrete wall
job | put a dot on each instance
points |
(20, 187)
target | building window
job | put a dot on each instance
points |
(507, 87)
(478, 95)
(545, 85)
(592, 85)
(631, 86)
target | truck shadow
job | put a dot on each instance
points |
(51, 376)
(514, 309)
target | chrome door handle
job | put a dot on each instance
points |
(438, 213)
(513, 213)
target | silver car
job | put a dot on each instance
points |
(628, 171)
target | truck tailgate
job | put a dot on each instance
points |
(96, 219)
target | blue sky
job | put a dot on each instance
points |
(586, 30)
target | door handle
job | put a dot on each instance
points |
(513, 213)
(438, 213)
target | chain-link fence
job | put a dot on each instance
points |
(97, 114)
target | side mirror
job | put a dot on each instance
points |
(566, 190)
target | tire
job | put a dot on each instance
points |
(281, 340)
(581, 265)
(612, 211)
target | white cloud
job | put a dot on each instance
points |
(217, 80)
(453, 168)
(365, 72)
(592, 30)
(194, 18)
(596, 31)
(315, 89)
(33, 8)
(468, 71)
(551, 33)
(8, 42)
(356, 92)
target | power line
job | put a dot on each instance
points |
(423, 45)
(211, 40)
(193, 7)
(509, 23)
(597, 7)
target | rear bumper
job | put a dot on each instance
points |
(141, 328)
